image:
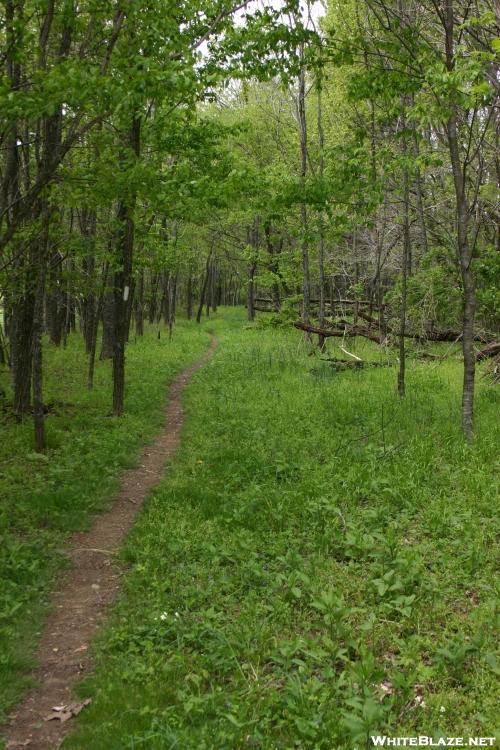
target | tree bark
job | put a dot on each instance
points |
(321, 220)
(404, 261)
(123, 278)
(41, 266)
(306, 283)
(88, 223)
(189, 296)
(251, 292)
(108, 326)
(21, 344)
(55, 307)
(139, 305)
(93, 341)
(464, 249)
(204, 288)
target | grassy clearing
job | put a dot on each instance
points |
(318, 565)
(45, 498)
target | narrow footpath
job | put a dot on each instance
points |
(44, 717)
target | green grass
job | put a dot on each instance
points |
(317, 566)
(46, 497)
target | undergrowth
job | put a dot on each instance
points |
(317, 566)
(46, 497)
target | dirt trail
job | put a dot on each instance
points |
(88, 589)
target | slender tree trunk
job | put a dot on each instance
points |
(189, 297)
(165, 297)
(139, 305)
(93, 341)
(120, 298)
(321, 221)
(213, 288)
(67, 314)
(20, 329)
(123, 279)
(21, 344)
(464, 249)
(54, 301)
(208, 290)
(306, 283)
(41, 266)
(204, 288)
(420, 204)
(129, 308)
(108, 326)
(356, 272)
(251, 292)
(153, 299)
(172, 295)
(404, 273)
(88, 225)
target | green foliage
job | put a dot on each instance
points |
(488, 292)
(316, 567)
(46, 497)
(434, 293)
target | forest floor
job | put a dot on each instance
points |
(316, 566)
(46, 498)
(84, 595)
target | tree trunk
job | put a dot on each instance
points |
(108, 326)
(204, 288)
(404, 294)
(129, 308)
(404, 260)
(172, 298)
(21, 345)
(54, 303)
(123, 279)
(464, 250)
(208, 290)
(153, 298)
(306, 284)
(251, 292)
(165, 297)
(93, 341)
(189, 297)
(321, 222)
(41, 266)
(139, 305)
(88, 223)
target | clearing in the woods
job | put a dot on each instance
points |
(317, 564)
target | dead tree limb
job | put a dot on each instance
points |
(488, 351)
(344, 328)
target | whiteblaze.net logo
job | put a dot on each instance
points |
(423, 741)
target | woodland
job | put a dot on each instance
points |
(312, 191)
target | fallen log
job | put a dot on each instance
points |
(328, 302)
(488, 351)
(335, 302)
(368, 318)
(372, 334)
